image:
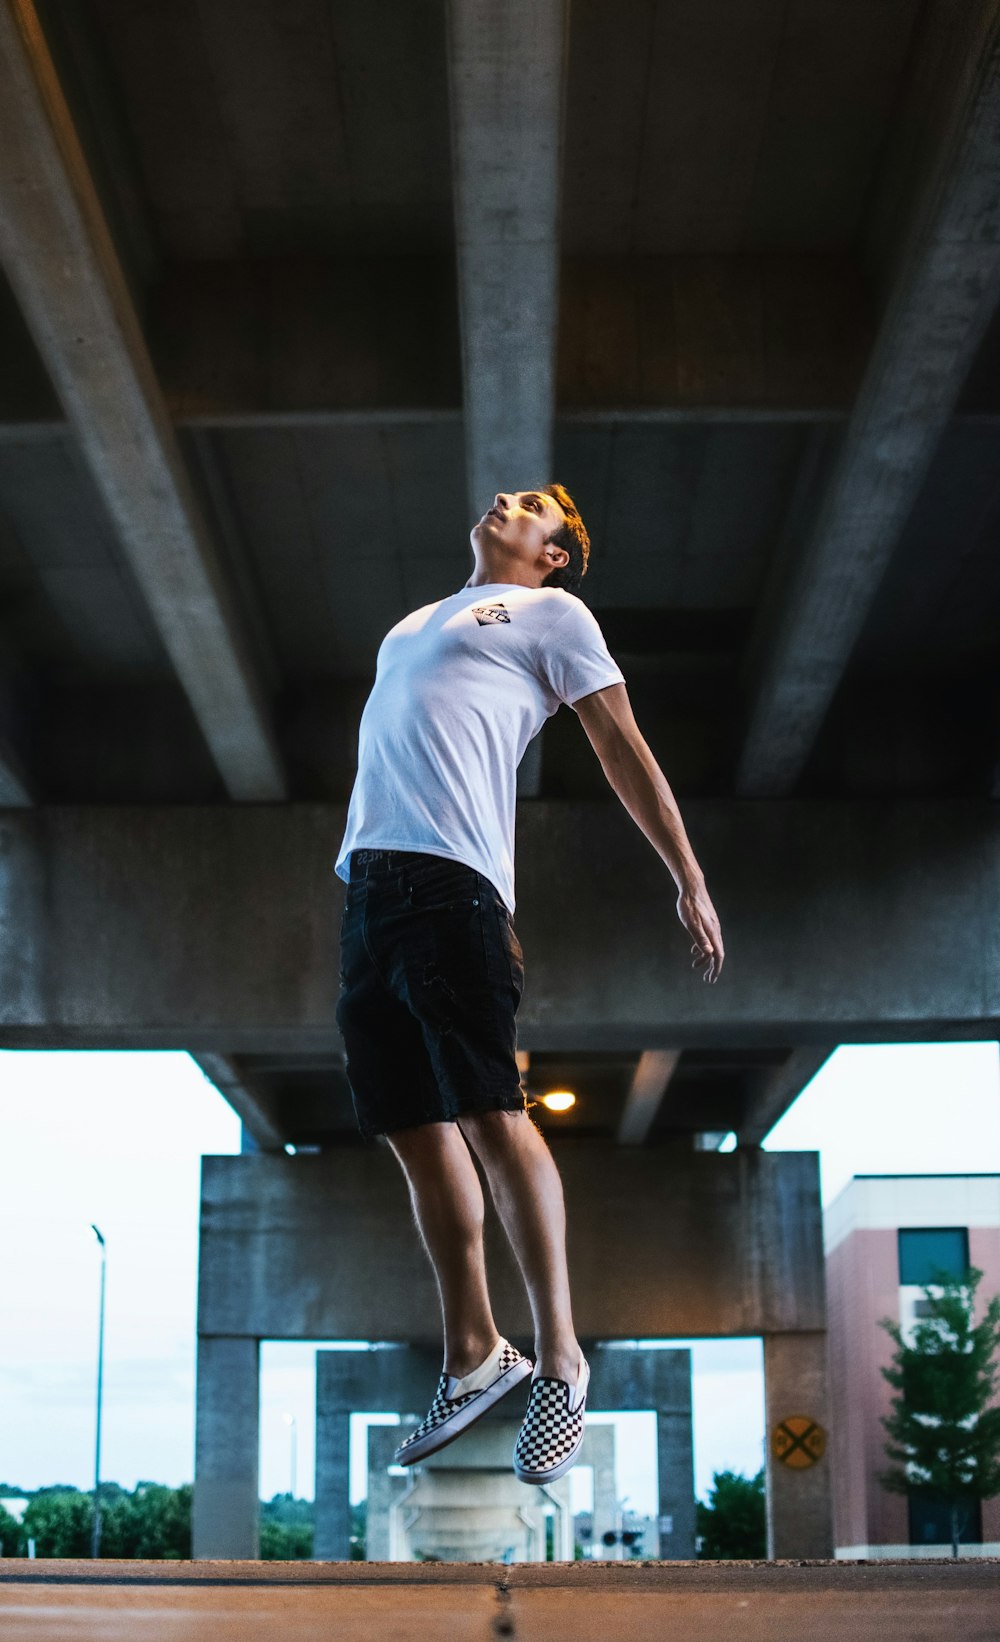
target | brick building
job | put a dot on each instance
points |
(885, 1236)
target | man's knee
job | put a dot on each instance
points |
(420, 1142)
(498, 1131)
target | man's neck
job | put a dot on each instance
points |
(479, 578)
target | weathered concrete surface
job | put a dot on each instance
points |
(799, 1501)
(63, 267)
(946, 292)
(661, 1244)
(63, 1601)
(216, 928)
(506, 120)
(226, 1445)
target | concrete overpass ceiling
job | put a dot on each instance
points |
(727, 127)
(683, 518)
(264, 127)
(348, 527)
(937, 611)
(281, 181)
(304, 1100)
(916, 713)
(69, 596)
(936, 283)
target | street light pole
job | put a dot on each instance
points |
(95, 1543)
(293, 1449)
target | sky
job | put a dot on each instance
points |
(116, 1139)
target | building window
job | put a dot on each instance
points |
(925, 1252)
(930, 1521)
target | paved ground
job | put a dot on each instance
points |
(486, 1602)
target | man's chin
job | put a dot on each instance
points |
(485, 530)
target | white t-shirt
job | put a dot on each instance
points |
(460, 689)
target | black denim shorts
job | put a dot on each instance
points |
(431, 975)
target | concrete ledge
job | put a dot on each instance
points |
(916, 1575)
(555, 1602)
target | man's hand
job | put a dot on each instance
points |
(698, 915)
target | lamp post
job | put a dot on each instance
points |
(289, 1420)
(95, 1543)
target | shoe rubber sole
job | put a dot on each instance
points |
(466, 1415)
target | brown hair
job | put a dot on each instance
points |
(572, 535)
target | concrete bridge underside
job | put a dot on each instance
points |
(215, 929)
(662, 1244)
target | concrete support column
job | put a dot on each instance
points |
(599, 1448)
(396, 1381)
(675, 1472)
(660, 1380)
(799, 1498)
(226, 1515)
(332, 1540)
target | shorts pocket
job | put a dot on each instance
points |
(441, 885)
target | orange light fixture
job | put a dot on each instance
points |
(559, 1100)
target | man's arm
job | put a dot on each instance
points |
(635, 776)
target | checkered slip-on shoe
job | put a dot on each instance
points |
(459, 1402)
(551, 1437)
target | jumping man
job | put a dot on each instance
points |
(431, 966)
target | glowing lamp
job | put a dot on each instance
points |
(559, 1100)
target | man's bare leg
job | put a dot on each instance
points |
(448, 1207)
(528, 1194)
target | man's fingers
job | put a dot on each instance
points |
(707, 952)
(711, 955)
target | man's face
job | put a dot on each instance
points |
(518, 527)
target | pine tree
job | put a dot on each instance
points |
(734, 1522)
(944, 1428)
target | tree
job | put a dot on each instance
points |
(162, 1520)
(944, 1430)
(153, 1521)
(286, 1529)
(734, 1522)
(10, 1533)
(59, 1520)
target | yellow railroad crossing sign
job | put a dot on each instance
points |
(798, 1441)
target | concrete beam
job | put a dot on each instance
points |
(947, 288)
(216, 927)
(279, 1237)
(506, 68)
(776, 1091)
(294, 342)
(649, 1085)
(250, 1104)
(69, 283)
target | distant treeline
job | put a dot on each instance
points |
(152, 1521)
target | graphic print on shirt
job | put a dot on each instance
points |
(485, 613)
